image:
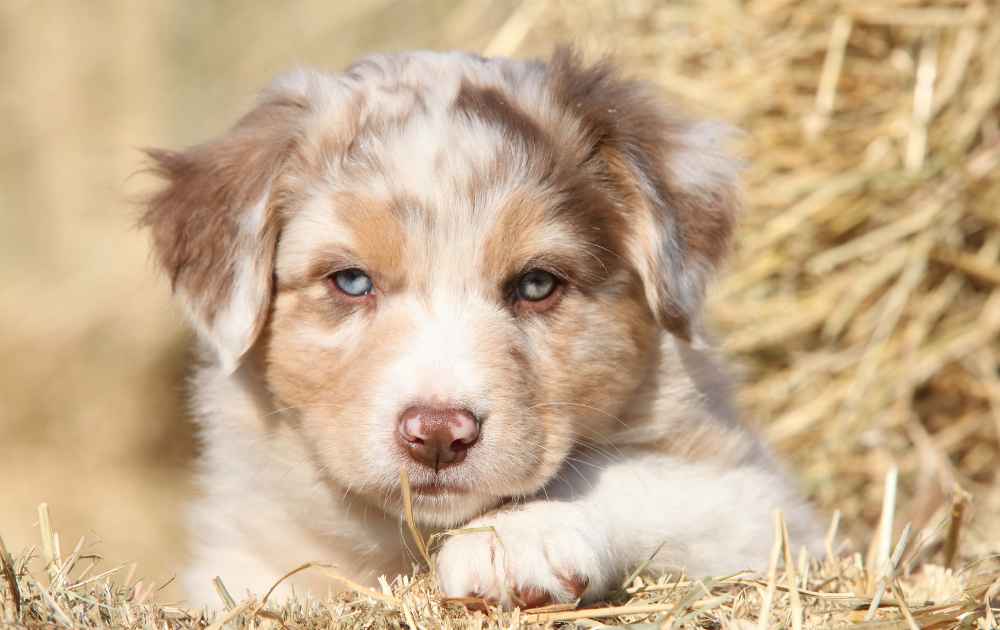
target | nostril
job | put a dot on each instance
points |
(410, 428)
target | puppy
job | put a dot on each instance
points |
(485, 272)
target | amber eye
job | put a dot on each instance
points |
(353, 282)
(536, 285)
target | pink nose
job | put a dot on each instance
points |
(437, 437)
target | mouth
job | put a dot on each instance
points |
(438, 489)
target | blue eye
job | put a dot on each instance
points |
(353, 282)
(536, 285)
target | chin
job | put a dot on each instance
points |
(449, 509)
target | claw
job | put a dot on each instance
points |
(532, 597)
(575, 584)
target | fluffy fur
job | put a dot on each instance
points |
(606, 427)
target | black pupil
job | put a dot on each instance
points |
(353, 282)
(536, 285)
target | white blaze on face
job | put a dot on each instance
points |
(459, 331)
(443, 357)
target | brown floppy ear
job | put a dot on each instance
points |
(677, 186)
(213, 225)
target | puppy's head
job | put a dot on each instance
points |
(455, 265)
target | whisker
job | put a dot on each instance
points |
(610, 451)
(603, 412)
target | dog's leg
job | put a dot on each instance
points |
(704, 518)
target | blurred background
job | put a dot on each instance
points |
(861, 308)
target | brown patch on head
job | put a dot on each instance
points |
(561, 222)
(530, 234)
(556, 167)
(378, 235)
(525, 236)
(491, 106)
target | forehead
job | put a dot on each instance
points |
(462, 169)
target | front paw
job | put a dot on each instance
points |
(539, 554)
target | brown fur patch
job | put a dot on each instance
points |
(377, 235)
(630, 137)
(195, 218)
(581, 205)
(491, 106)
(521, 240)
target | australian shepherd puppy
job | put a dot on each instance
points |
(487, 273)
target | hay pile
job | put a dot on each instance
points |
(863, 305)
(41, 588)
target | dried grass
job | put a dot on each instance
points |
(863, 305)
(43, 589)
